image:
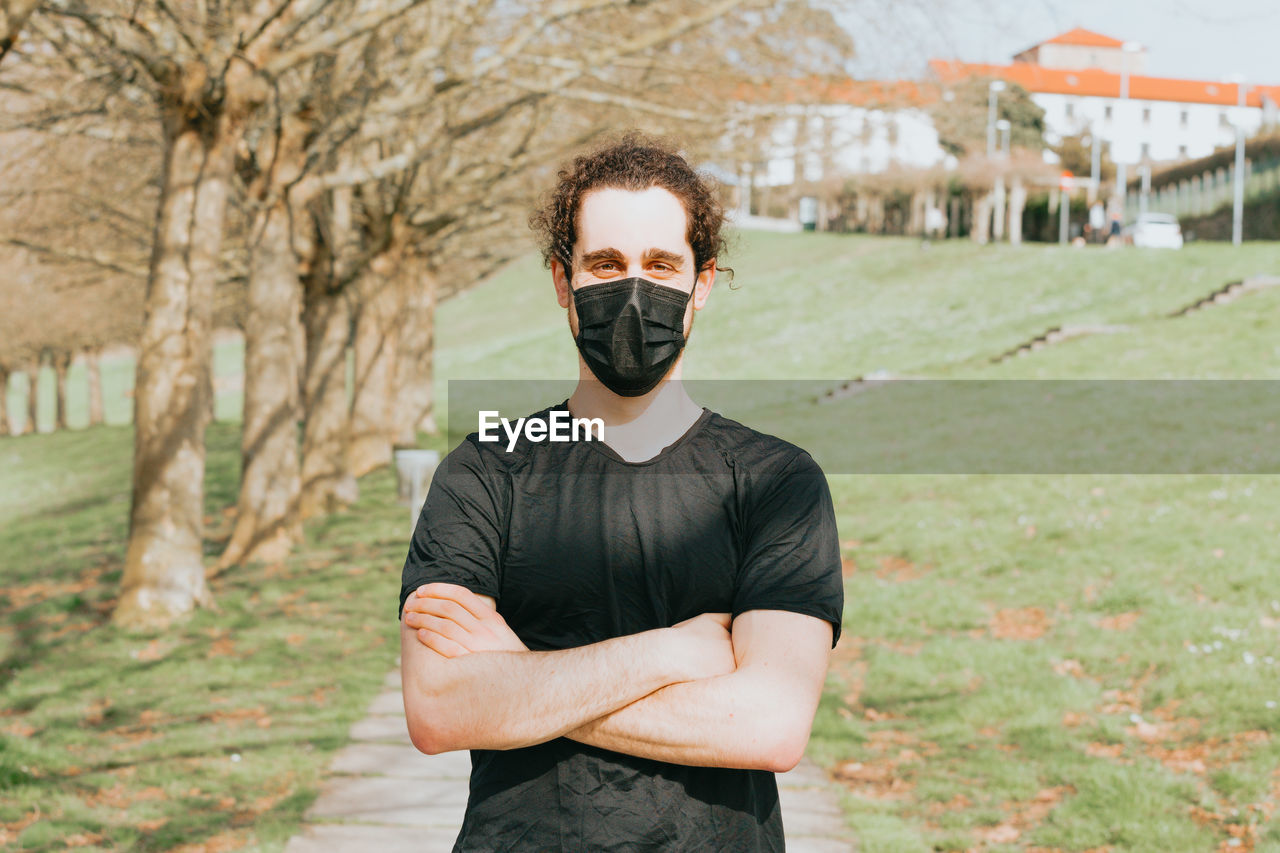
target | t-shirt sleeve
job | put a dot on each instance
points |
(459, 534)
(792, 553)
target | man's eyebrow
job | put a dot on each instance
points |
(670, 257)
(609, 254)
(653, 254)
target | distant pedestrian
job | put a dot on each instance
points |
(1097, 222)
(935, 223)
(1113, 237)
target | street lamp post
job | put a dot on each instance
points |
(1237, 203)
(1145, 195)
(995, 87)
(1121, 179)
(1006, 130)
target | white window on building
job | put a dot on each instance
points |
(1146, 151)
(1146, 115)
(1223, 119)
(1106, 112)
(1071, 110)
(1182, 150)
(1183, 118)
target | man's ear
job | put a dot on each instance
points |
(703, 284)
(560, 277)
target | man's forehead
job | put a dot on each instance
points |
(632, 222)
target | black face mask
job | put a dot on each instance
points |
(630, 332)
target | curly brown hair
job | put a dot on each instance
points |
(633, 162)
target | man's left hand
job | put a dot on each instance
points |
(453, 621)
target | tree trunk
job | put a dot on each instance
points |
(1017, 203)
(377, 334)
(326, 318)
(267, 520)
(326, 484)
(164, 575)
(93, 373)
(4, 401)
(61, 366)
(414, 386)
(981, 232)
(267, 524)
(33, 398)
(998, 205)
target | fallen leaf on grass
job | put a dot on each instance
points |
(957, 803)
(120, 796)
(222, 647)
(236, 716)
(1071, 719)
(1105, 750)
(1070, 666)
(1120, 621)
(999, 834)
(20, 729)
(83, 839)
(1120, 702)
(878, 781)
(898, 569)
(150, 652)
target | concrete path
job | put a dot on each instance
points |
(383, 795)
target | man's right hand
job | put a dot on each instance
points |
(705, 646)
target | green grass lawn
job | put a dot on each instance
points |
(1073, 662)
(214, 733)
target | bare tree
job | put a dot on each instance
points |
(349, 160)
(207, 70)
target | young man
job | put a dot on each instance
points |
(630, 635)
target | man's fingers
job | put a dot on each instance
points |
(441, 644)
(465, 598)
(444, 608)
(436, 624)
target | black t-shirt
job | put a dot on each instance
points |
(577, 546)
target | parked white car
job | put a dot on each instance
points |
(1155, 231)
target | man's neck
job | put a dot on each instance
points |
(636, 428)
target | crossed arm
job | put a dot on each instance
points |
(697, 693)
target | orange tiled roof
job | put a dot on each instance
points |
(1084, 38)
(1104, 84)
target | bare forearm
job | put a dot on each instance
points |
(509, 699)
(732, 721)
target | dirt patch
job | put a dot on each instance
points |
(1019, 623)
(899, 569)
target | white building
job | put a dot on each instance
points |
(847, 129)
(1080, 79)
(1086, 83)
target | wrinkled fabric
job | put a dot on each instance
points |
(630, 332)
(578, 546)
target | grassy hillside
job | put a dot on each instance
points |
(1080, 662)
